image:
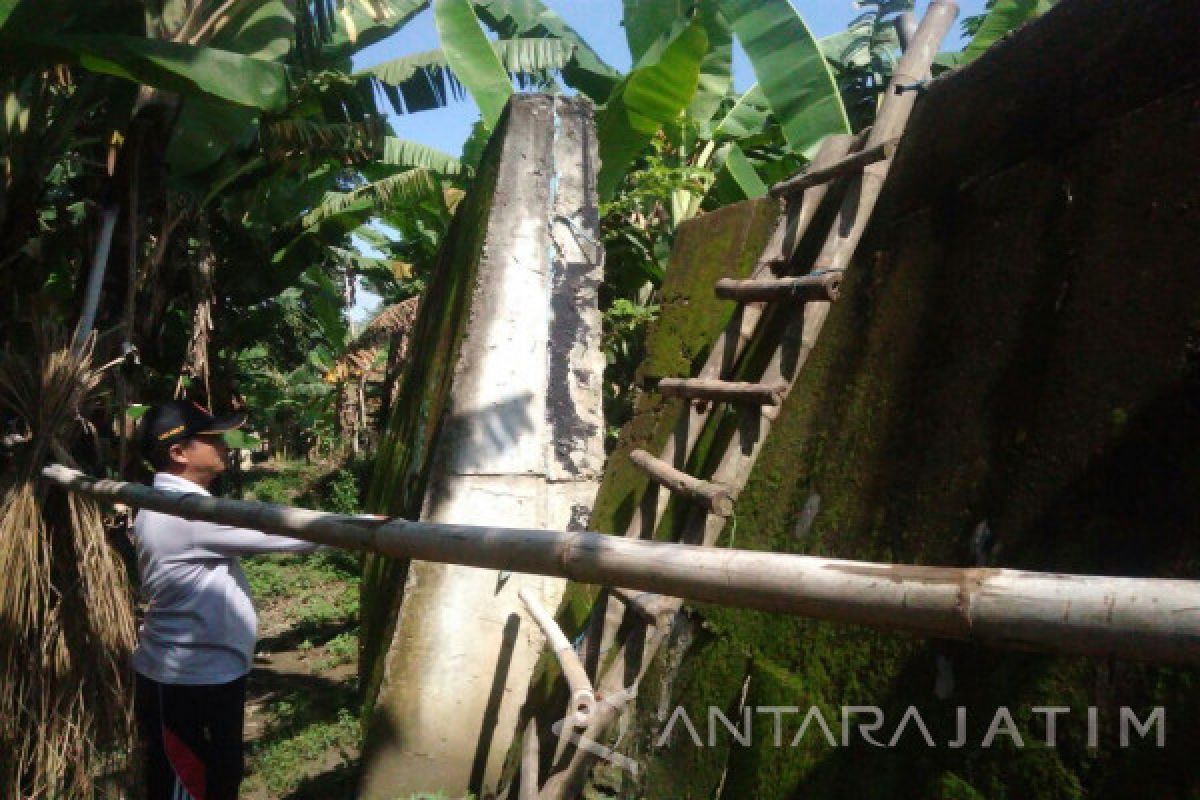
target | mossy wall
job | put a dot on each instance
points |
(1017, 344)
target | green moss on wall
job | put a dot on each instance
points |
(722, 244)
(1024, 352)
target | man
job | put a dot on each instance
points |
(196, 643)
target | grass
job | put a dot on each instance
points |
(302, 728)
(299, 736)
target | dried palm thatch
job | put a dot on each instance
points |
(394, 320)
(66, 621)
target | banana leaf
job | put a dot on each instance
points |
(791, 69)
(420, 81)
(221, 74)
(1004, 17)
(655, 93)
(469, 53)
(586, 72)
(748, 116)
(406, 153)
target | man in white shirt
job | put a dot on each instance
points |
(196, 643)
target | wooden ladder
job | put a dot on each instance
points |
(627, 646)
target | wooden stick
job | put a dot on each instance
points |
(529, 762)
(852, 163)
(651, 607)
(713, 496)
(568, 781)
(583, 698)
(802, 289)
(766, 394)
(1146, 619)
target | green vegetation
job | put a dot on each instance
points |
(304, 697)
(226, 182)
(299, 735)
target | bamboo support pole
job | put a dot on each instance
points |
(851, 163)
(766, 394)
(568, 782)
(893, 115)
(906, 29)
(801, 289)
(583, 698)
(713, 496)
(529, 762)
(1138, 618)
(95, 282)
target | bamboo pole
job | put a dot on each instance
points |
(652, 608)
(583, 698)
(1147, 619)
(529, 762)
(95, 282)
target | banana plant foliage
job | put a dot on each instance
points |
(586, 71)
(1003, 16)
(470, 54)
(659, 87)
(425, 80)
(791, 69)
(220, 74)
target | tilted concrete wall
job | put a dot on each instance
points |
(1018, 343)
(519, 443)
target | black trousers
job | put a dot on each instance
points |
(192, 737)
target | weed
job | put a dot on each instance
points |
(295, 742)
(341, 649)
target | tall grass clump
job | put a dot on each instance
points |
(66, 619)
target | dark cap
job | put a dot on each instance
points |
(166, 424)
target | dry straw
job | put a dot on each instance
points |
(66, 621)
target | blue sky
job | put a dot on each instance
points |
(599, 23)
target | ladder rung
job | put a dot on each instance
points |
(647, 605)
(851, 163)
(819, 286)
(766, 394)
(717, 498)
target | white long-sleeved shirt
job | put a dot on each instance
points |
(200, 625)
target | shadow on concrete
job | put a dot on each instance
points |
(487, 727)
